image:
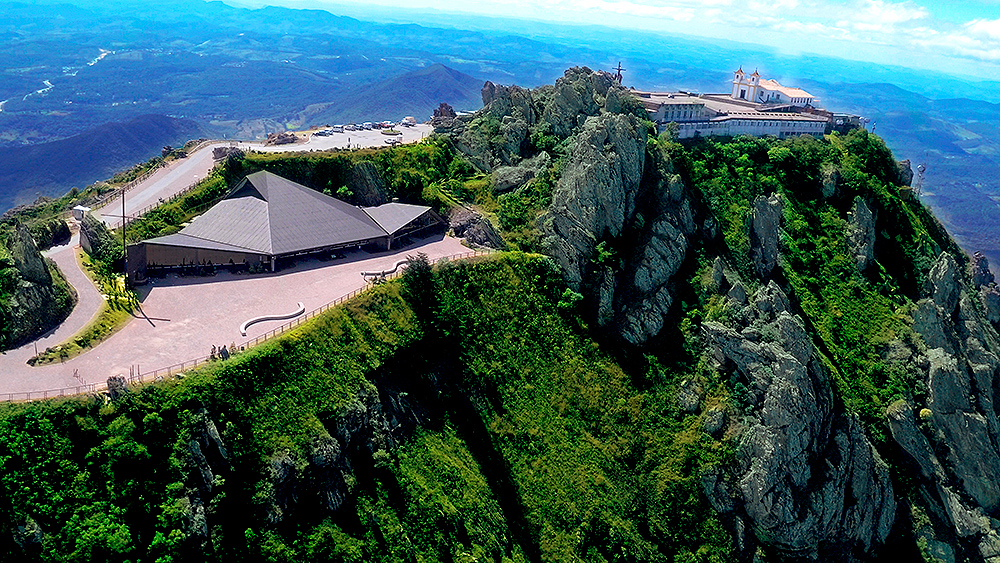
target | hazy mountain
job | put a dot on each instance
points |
(52, 168)
(415, 93)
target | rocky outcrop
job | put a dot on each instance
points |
(41, 298)
(367, 186)
(507, 178)
(596, 194)
(475, 229)
(954, 448)
(499, 134)
(904, 173)
(580, 93)
(370, 423)
(981, 274)
(861, 234)
(809, 484)
(765, 234)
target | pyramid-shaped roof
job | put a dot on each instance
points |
(394, 216)
(268, 214)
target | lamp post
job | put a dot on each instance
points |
(124, 246)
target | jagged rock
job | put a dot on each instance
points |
(764, 234)
(904, 431)
(28, 259)
(714, 420)
(28, 536)
(689, 396)
(444, 110)
(831, 179)
(861, 234)
(367, 186)
(981, 274)
(580, 93)
(202, 469)
(475, 229)
(327, 472)
(943, 282)
(448, 125)
(738, 294)
(904, 172)
(990, 296)
(718, 280)
(195, 521)
(210, 441)
(282, 479)
(506, 178)
(514, 101)
(596, 193)
(810, 483)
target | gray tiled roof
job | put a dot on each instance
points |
(394, 216)
(268, 214)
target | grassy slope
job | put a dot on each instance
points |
(537, 446)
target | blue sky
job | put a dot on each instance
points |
(953, 37)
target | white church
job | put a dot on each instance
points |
(753, 89)
(753, 107)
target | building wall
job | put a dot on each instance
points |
(162, 255)
(756, 127)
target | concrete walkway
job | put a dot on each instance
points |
(186, 316)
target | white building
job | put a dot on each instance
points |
(753, 89)
(754, 107)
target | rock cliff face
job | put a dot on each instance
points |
(808, 479)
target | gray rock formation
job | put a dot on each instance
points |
(765, 235)
(981, 274)
(580, 93)
(959, 367)
(475, 229)
(596, 194)
(809, 483)
(371, 422)
(40, 301)
(367, 186)
(506, 178)
(905, 172)
(861, 234)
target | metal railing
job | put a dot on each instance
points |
(182, 367)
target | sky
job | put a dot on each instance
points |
(955, 37)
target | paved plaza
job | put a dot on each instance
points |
(186, 316)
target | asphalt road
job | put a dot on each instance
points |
(181, 174)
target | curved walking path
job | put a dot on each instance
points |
(185, 316)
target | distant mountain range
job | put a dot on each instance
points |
(51, 169)
(415, 94)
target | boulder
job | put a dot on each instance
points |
(475, 229)
(506, 178)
